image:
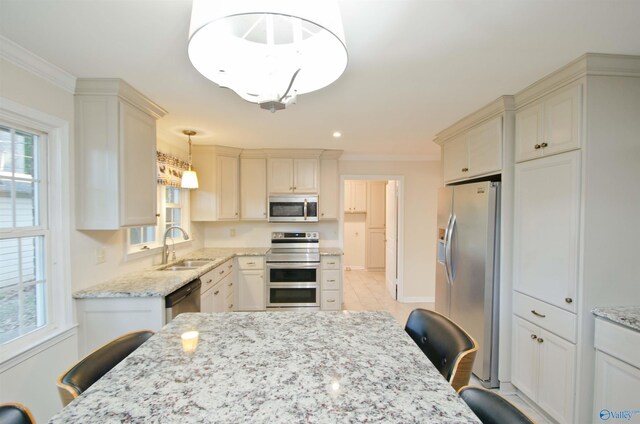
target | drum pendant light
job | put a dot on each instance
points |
(189, 178)
(268, 51)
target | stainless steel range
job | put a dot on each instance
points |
(293, 271)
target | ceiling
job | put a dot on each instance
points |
(415, 66)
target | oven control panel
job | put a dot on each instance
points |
(294, 236)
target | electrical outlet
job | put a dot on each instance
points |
(232, 232)
(100, 254)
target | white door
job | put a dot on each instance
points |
(376, 249)
(251, 291)
(556, 376)
(359, 196)
(529, 132)
(280, 175)
(485, 147)
(456, 159)
(305, 175)
(525, 357)
(391, 253)
(562, 120)
(228, 188)
(253, 188)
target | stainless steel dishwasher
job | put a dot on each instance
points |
(185, 299)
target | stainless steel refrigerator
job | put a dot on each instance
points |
(467, 277)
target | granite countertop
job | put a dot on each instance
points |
(629, 316)
(154, 282)
(284, 367)
(331, 251)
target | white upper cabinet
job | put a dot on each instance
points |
(475, 152)
(291, 175)
(217, 198)
(455, 160)
(228, 185)
(328, 196)
(551, 125)
(115, 155)
(546, 229)
(355, 196)
(253, 188)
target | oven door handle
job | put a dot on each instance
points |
(293, 265)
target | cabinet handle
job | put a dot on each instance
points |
(231, 306)
(322, 214)
(538, 314)
(331, 263)
(236, 213)
(291, 188)
(215, 293)
(540, 340)
(537, 146)
(209, 281)
(568, 300)
(295, 188)
(465, 169)
(230, 284)
(222, 272)
(251, 263)
(230, 266)
(331, 301)
(264, 214)
(331, 281)
(543, 145)
(533, 336)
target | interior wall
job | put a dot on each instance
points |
(421, 182)
(258, 233)
(355, 240)
(31, 380)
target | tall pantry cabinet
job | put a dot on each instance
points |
(575, 229)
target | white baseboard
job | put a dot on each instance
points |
(415, 299)
(353, 268)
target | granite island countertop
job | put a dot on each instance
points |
(628, 316)
(285, 367)
(154, 282)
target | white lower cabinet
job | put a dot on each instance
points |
(217, 291)
(330, 283)
(617, 372)
(251, 284)
(544, 369)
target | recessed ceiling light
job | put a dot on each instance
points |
(337, 134)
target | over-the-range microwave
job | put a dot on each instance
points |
(293, 208)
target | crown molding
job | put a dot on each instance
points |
(331, 154)
(589, 64)
(293, 153)
(496, 108)
(390, 158)
(19, 56)
(120, 88)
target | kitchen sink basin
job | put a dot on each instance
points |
(178, 268)
(186, 265)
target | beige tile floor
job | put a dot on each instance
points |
(366, 291)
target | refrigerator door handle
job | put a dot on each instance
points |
(447, 248)
(444, 246)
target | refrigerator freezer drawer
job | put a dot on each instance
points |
(549, 317)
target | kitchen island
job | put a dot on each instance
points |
(287, 367)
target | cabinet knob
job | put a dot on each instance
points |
(540, 340)
(465, 169)
(216, 292)
(291, 188)
(222, 272)
(209, 281)
(295, 188)
(231, 306)
(533, 336)
(264, 214)
(230, 284)
(538, 314)
(568, 300)
(236, 213)
(543, 145)
(537, 146)
(322, 214)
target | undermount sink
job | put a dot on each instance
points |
(186, 265)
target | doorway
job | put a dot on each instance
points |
(370, 231)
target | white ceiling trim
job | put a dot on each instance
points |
(18, 55)
(390, 158)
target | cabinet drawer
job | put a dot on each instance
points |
(618, 341)
(251, 262)
(549, 317)
(330, 300)
(331, 279)
(330, 262)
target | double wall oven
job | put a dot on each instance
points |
(293, 271)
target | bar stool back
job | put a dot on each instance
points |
(447, 346)
(492, 408)
(15, 413)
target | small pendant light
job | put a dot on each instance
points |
(189, 178)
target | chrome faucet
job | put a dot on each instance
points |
(165, 248)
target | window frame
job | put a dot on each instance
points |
(55, 222)
(147, 249)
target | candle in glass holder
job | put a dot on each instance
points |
(189, 341)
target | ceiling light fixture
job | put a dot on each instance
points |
(337, 134)
(268, 52)
(189, 178)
